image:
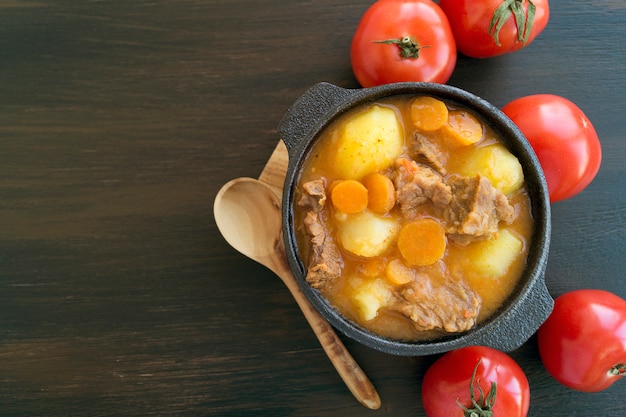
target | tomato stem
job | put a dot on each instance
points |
(409, 48)
(482, 405)
(523, 21)
(618, 370)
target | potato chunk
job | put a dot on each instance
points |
(367, 234)
(499, 165)
(370, 297)
(368, 143)
(494, 256)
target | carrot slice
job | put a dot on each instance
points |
(349, 196)
(428, 114)
(463, 128)
(422, 242)
(381, 192)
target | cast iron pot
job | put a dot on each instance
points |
(528, 306)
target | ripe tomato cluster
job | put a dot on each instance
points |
(582, 345)
(418, 40)
(583, 342)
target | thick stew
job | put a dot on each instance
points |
(412, 218)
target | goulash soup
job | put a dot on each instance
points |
(413, 218)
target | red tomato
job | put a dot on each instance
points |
(486, 28)
(563, 138)
(497, 382)
(583, 342)
(399, 41)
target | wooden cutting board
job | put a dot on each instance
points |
(275, 169)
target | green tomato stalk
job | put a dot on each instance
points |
(523, 21)
(409, 48)
(482, 406)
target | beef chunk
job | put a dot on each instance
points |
(425, 151)
(314, 196)
(476, 209)
(325, 263)
(452, 307)
(416, 185)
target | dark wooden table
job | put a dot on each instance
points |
(119, 122)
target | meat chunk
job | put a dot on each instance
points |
(416, 185)
(476, 209)
(314, 195)
(423, 150)
(325, 263)
(452, 307)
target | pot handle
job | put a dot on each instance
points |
(522, 322)
(307, 110)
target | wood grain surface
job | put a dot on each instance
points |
(119, 122)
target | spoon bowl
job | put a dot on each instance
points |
(248, 214)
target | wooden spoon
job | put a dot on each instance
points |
(248, 214)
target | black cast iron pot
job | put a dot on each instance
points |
(528, 306)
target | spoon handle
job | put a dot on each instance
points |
(355, 379)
